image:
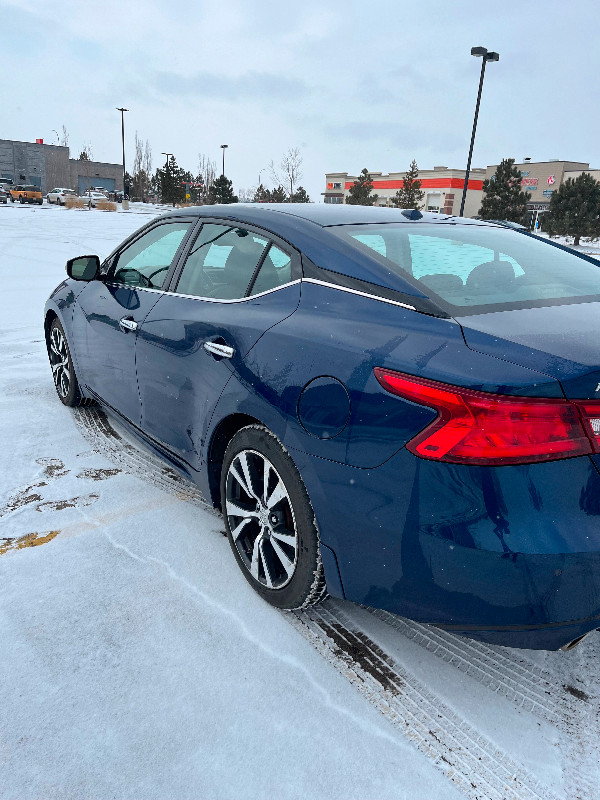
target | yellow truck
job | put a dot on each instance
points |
(26, 194)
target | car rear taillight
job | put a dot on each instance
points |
(590, 413)
(492, 429)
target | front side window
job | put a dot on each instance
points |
(145, 263)
(222, 262)
(475, 267)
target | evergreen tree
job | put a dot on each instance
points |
(156, 183)
(574, 209)
(172, 189)
(502, 195)
(300, 196)
(198, 190)
(222, 191)
(261, 195)
(410, 195)
(361, 191)
(279, 195)
(127, 189)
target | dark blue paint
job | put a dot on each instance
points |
(509, 555)
(324, 407)
(558, 340)
(105, 353)
(180, 383)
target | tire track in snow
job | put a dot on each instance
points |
(96, 429)
(529, 686)
(473, 763)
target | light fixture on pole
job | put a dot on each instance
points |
(57, 136)
(487, 56)
(125, 203)
(223, 148)
(167, 170)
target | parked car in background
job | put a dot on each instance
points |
(102, 189)
(26, 194)
(402, 408)
(59, 196)
(4, 195)
(92, 198)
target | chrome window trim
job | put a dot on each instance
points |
(360, 294)
(206, 299)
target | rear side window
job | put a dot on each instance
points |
(222, 262)
(275, 271)
(475, 267)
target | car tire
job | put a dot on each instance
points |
(274, 535)
(63, 372)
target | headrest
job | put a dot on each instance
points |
(443, 284)
(490, 274)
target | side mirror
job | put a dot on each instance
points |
(84, 268)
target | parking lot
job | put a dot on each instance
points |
(136, 662)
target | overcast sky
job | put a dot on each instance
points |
(353, 84)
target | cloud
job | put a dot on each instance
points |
(248, 87)
(382, 131)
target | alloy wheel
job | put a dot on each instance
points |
(261, 519)
(59, 361)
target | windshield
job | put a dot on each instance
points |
(473, 266)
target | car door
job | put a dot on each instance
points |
(235, 284)
(108, 313)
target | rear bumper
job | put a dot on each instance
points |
(509, 555)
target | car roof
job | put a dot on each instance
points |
(323, 214)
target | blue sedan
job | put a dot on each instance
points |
(396, 408)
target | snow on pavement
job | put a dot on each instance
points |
(136, 661)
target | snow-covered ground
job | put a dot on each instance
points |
(136, 662)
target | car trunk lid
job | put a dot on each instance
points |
(558, 340)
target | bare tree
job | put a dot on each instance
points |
(87, 155)
(64, 139)
(246, 195)
(137, 176)
(207, 170)
(289, 171)
(147, 168)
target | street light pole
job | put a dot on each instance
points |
(223, 148)
(487, 56)
(124, 204)
(167, 169)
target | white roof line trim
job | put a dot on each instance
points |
(206, 299)
(361, 294)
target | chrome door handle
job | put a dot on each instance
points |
(222, 350)
(128, 324)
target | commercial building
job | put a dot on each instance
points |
(443, 187)
(542, 178)
(49, 165)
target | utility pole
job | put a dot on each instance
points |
(125, 204)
